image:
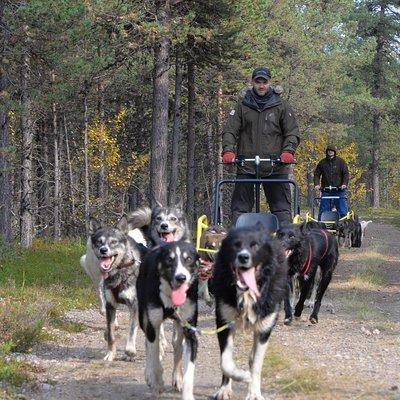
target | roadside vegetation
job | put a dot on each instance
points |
(37, 286)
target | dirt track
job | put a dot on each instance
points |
(353, 353)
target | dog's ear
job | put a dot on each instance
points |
(94, 225)
(123, 225)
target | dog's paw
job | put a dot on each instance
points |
(129, 355)
(224, 393)
(177, 381)
(288, 321)
(109, 356)
(130, 350)
(314, 319)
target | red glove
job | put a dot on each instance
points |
(287, 158)
(228, 157)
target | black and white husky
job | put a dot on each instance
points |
(161, 224)
(118, 260)
(249, 284)
(89, 261)
(167, 288)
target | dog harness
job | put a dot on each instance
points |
(307, 264)
(185, 324)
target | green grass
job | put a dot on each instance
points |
(37, 286)
(389, 216)
(305, 381)
(358, 303)
(370, 277)
(43, 265)
(276, 360)
(283, 366)
(47, 271)
(14, 372)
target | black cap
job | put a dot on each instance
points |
(261, 72)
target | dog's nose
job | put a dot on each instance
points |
(180, 278)
(103, 250)
(164, 226)
(243, 258)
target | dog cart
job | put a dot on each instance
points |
(331, 219)
(210, 235)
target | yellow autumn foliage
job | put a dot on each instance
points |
(104, 152)
(311, 151)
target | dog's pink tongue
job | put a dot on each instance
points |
(168, 237)
(178, 296)
(249, 277)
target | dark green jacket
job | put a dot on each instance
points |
(250, 131)
(331, 172)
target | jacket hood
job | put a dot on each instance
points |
(330, 147)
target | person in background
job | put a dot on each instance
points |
(331, 176)
(262, 124)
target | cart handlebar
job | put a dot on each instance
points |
(257, 160)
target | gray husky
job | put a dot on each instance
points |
(161, 224)
(118, 258)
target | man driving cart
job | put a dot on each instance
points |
(261, 124)
(331, 176)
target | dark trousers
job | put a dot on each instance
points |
(278, 196)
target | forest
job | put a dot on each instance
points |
(110, 105)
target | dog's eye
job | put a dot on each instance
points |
(159, 218)
(188, 259)
(254, 245)
(173, 219)
(238, 244)
(291, 235)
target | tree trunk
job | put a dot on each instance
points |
(191, 140)
(26, 215)
(44, 176)
(57, 175)
(5, 177)
(101, 173)
(176, 130)
(86, 161)
(211, 160)
(132, 198)
(159, 131)
(376, 119)
(220, 119)
(71, 181)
